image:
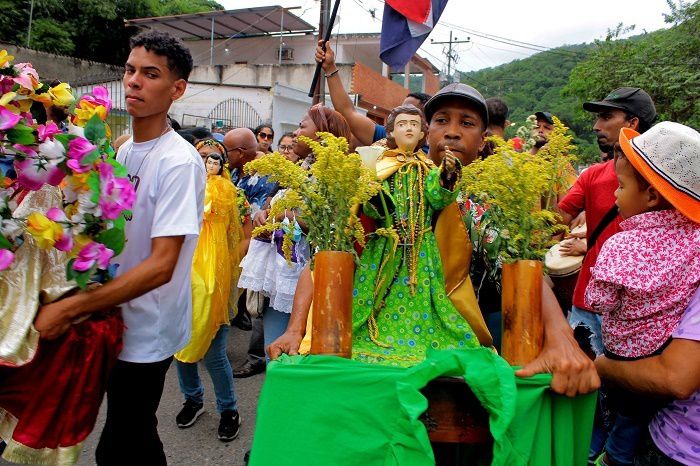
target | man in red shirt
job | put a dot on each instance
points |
(594, 194)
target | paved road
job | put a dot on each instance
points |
(198, 445)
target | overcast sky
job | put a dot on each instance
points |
(546, 23)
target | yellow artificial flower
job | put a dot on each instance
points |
(5, 59)
(85, 110)
(44, 231)
(61, 95)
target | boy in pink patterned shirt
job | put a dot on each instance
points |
(646, 275)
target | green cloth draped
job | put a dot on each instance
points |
(325, 410)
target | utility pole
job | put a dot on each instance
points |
(31, 17)
(451, 54)
(320, 92)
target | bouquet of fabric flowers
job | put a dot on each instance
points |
(79, 159)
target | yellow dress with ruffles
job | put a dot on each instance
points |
(215, 267)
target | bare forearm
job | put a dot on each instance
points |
(303, 297)
(339, 97)
(675, 372)
(553, 320)
(147, 276)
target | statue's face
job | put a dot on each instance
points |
(407, 131)
(213, 166)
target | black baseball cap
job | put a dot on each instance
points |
(546, 116)
(631, 99)
(459, 90)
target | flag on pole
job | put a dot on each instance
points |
(405, 26)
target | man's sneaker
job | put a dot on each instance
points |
(229, 425)
(189, 414)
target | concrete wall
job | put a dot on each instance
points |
(67, 69)
(264, 50)
(295, 76)
(194, 107)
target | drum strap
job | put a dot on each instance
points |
(602, 225)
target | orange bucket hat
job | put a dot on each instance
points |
(668, 157)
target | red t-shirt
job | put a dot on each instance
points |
(594, 192)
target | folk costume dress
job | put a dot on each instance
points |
(401, 307)
(50, 391)
(215, 266)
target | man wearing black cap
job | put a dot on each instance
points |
(626, 107)
(458, 119)
(594, 194)
(540, 133)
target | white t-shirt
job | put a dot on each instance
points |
(169, 178)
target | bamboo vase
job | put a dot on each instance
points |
(523, 330)
(331, 329)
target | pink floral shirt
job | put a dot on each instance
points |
(644, 279)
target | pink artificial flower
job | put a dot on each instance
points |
(91, 254)
(27, 77)
(64, 243)
(56, 215)
(99, 96)
(28, 150)
(117, 194)
(47, 131)
(34, 173)
(6, 258)
(78, 149)
(8, 119)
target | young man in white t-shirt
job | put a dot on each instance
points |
(153, 285)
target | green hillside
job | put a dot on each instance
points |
(536, 83)
(666, 63)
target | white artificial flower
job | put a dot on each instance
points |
(76, 130)
(86, 206)
(52, 150)
(10, 229)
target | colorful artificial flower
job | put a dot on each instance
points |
(117, 194)
(6, 259)
(5, 59)
(33, 173)
(45, 232)
(47, 131)
(98, 97)
(8, 119)
(61, 95)
(65, 242)
(27, 77)
(79, 149)
(92, 254)
(93, 195)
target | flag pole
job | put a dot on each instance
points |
(326, 38)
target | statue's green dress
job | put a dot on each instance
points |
(400, 305)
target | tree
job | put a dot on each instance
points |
(89, 29)
(664, 63)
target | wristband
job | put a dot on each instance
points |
(332, 73)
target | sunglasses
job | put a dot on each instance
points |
(267, 136)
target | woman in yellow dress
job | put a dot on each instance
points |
(215, 271)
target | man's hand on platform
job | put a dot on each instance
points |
(287, 343)
(573, 373)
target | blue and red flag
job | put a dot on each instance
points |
(405, 26)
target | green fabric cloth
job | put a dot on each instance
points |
(409, 321)
(325, 410)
